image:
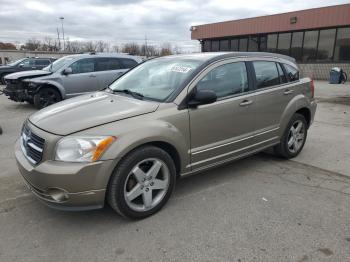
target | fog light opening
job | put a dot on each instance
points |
(57, 194)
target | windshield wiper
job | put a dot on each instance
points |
(129, 92)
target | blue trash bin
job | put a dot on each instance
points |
(335, 75)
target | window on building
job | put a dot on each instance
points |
(215, 45)
(296, 49)
(271, 43)
(326, 45)
(234, 44)
(226, 80)
(243, 44)
(253, 45)
(292, 73)
(224, 45)
(284, 43)
(206, 46)
(263, 43)
(342, 45)
(266, 74)
(310, 46)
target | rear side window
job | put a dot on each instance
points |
(83, 66)
(42, 62)
(266, 74)
(107, 64)
(292, 73)
(128, 63)
(226, 80)
(283, 77)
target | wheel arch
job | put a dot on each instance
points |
(53, 85)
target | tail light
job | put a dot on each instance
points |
(312, 87)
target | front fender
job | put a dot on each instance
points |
(41, 83)
(130, 136)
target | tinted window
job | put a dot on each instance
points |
(297, 45)
(266, 74)
(206, 45)
(225, 80)
(342, 46)
(214, 46)
(283, 77)
(253, 44)
(83, 66)
(128, 63)
(234, 45)
(310, 45)
(102, 64)
(42, 62)
(284, 43)
(326, 44)
(243, 44)
(224, 45)
(271, 43)
(292, 73)
(263, 43)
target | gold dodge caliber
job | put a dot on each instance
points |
(166, 118)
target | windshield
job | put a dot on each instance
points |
(58, 64)
(16, 62)
(157, 79)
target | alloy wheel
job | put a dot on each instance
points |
(146, 184)
(296, 136)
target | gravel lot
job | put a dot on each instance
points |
(257, 209)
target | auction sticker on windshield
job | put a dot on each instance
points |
(180, 69)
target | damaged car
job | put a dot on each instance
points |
(67, 77)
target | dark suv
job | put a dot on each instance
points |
(23, 65)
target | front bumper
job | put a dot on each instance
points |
(66, 186)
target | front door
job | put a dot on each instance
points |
(223, 130)
(82, 79)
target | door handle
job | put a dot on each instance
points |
(246, 103)
(92, 75)
(288, 91)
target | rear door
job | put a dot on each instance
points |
(223, 130)
(107, 70)
(83, 78)
(273, 95)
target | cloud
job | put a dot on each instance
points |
(121, 21)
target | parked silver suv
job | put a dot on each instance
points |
(67, 77)
(166, 118)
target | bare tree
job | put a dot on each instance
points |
(166, 49)
(132, 49)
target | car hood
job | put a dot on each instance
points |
(27, 74)
(88, 111)
(5, 67)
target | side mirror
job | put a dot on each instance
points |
(67, 71)
(202, 97)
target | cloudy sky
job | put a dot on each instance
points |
(120, 21)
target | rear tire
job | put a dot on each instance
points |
(142, 182)
(46, 96)
(293, 139)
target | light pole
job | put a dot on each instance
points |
(62, 18)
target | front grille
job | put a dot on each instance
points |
(32, 145)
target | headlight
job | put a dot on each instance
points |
(82, 149)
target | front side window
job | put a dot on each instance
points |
(283, 77)
(266, 74)
(157, 79)
(292, 73)
(83, 66)
(27, 63)
(226, 80)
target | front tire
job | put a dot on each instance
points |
(2, 80)
(294, 137)
(142, 182)
(46, 96)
